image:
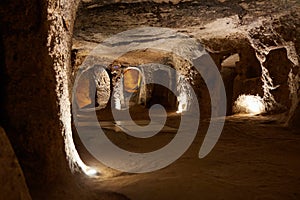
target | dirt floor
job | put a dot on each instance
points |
(255, 158)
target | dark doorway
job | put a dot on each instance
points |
(161, 94)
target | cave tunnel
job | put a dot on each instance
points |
(72, 68)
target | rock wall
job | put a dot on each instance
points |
(35, 110)
(147, 96)
(279, 67)
(254, 30)
(12, 181)
(295, 119)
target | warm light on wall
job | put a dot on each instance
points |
(182, 103)
(132, 80)
(91, 172)
(249, 104)
(184, 96)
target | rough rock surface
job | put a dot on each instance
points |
(12, 181)
(32, 71)
(35, 63)
(250, 28)
(35, 106)
(295, 119)
(279, 67)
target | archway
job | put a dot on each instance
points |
(129, 93)
(92, 89)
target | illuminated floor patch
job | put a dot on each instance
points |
(126, 126)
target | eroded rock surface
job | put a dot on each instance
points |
(12, 181)
(251, 29)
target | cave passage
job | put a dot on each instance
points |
(257, 75)
(53, 87)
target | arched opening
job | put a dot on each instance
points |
(241, 72)
(127, 89)
(132, 79)
(124, 85)
(229, 73)
(93, 89)
(160, 94)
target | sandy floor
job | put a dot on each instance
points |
(255, 158)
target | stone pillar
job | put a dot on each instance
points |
(35, 111)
